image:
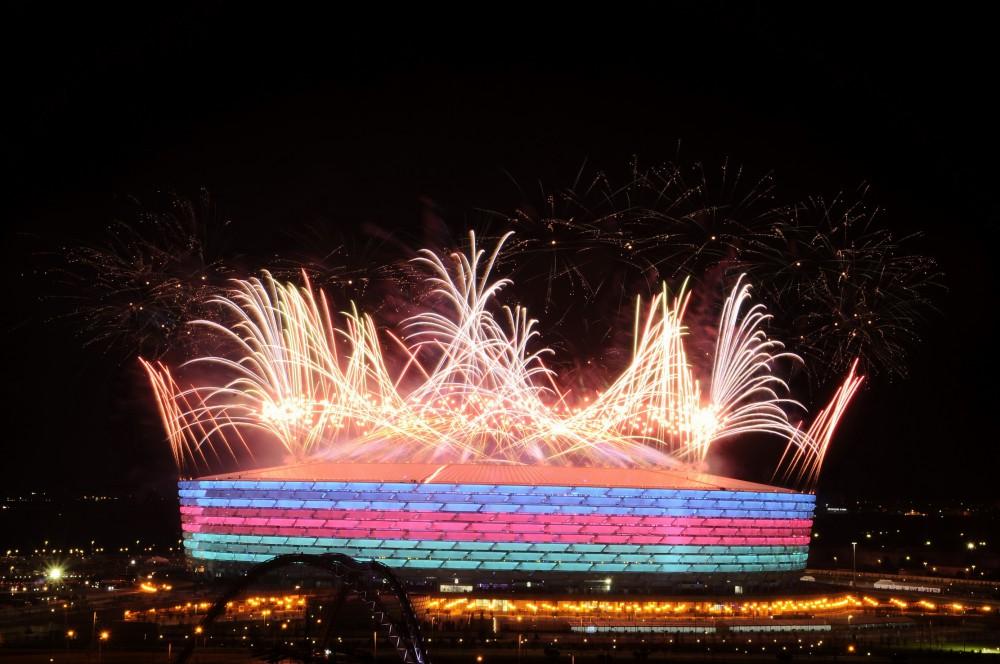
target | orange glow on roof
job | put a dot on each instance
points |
(499, 474)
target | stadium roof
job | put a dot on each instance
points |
(500, 474)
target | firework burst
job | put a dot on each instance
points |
(470, 389)
(845, 288)
(134, 292)
(838, 283)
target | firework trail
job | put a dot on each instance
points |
(804, 455)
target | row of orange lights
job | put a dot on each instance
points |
(265, 606)
(147, 587)
(462, 605)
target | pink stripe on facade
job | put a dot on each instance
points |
(486, 528)
(777, 539)
(470, 517)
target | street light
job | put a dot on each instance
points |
(54, 574)
(854, 562)
(104, 636)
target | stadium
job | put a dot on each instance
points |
(507, 526)
(462, 465)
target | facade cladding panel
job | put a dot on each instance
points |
(522, 520)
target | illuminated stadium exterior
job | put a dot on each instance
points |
(505, 525)
(463, 384)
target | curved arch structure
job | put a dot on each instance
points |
(364, 579)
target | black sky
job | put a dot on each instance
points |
(354, 118)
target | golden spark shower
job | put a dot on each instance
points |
(468, 381)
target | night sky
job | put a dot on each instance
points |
(355, 120)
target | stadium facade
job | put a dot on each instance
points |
(494, 526)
